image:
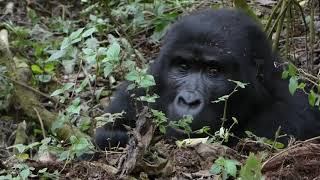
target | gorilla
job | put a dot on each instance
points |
(200, 54)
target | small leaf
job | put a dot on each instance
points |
(293, 84)
(215, 169)
(108, 67)
(131, 86)
(44, 78)
(92, 43)
(239, 83)
(76, 34)
(285, 74)
(42, 170)
(56, 55)
(65, 43)
(252, 168)
(312, 97)
(87, 51)
(231, 167)
(57, 92)
(36, 69)
(76, 40)
(113, 51)
(132, 76)
(49, 67)
(89, 32)
(292, 70)
(147, 81)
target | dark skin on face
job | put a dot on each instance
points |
(200, 53)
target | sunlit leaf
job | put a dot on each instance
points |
(36, 69)
(89, 32)
(293, 84)
(312, 97)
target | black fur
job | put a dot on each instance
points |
(200, 53)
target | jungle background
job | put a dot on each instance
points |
(61, 60)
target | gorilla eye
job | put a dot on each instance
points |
(184, 67)
(213, 71)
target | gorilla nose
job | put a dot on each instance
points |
(189, 102)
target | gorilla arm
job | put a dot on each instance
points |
(112, 134)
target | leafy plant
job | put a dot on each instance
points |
(252, 169)
(183, 124)
(223, 132)
(225, 168)
(160, 120)
(295, 84)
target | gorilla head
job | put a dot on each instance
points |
(200, 54)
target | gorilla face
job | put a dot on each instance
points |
(197, 63)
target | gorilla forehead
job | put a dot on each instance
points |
(223, 31)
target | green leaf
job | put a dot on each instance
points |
(293, 84)
(312, 97)
(76, 34)
(68, 86)
(49, 67)
(42, 170)
(149, 98)
(132, 76)
(83, 84)
(89, 32)
(84, 123)
(64, 155)
(147, 81)
(25, 173)
(92, 43)
(239, 83)
(75, 107)
(285, 74)
(76, 40)
(56, 55)
(57, 92)
(20, 147)
(162, 129)
(231, 167)
(215, 169)
(58, 123)
(131, 86)
(44, 78)
(292, 70)
(65, 43)
(108, 67)
(36, 69)
(87, 51)
(102, 51)
(113, 51)
(252, 168)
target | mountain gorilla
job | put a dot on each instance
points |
(201, 52)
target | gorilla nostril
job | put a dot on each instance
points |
(182, 101)
(193, 103)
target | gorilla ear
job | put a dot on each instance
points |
(261, 51)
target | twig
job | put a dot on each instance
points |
(284, 8)
(312, 34)
(289, 148)
(41, 123)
